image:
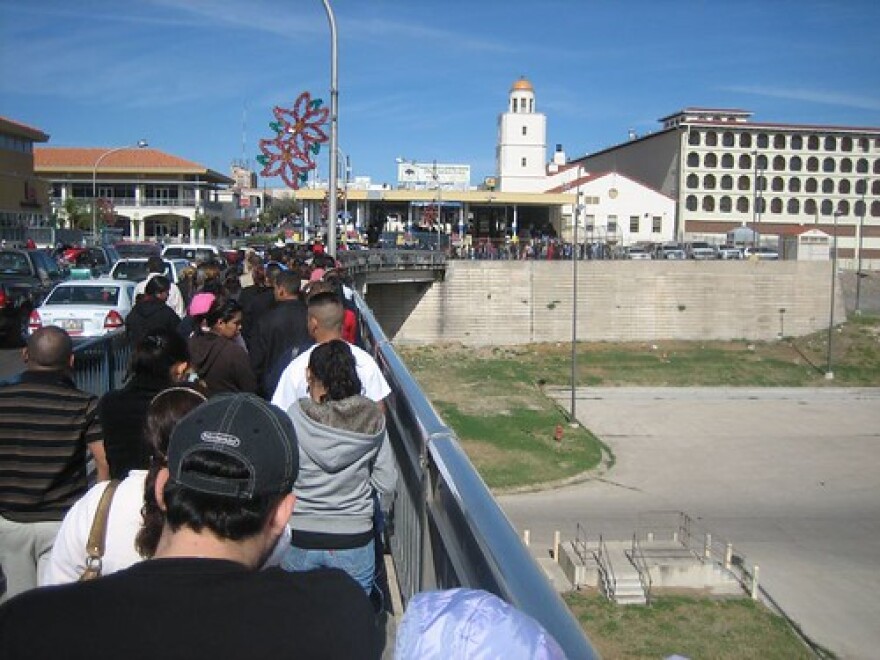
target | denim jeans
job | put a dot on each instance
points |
(359, 563)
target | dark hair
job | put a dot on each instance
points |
(166, 408)
(222, 309)
(272, 271)
(208, 276)
(156, 353)
(156, 264)
(226, 517)
(333, 364)
(289, 280)
(156, 285)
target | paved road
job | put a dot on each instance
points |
(791, 477)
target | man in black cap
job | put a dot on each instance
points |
(226, 493)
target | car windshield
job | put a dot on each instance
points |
(101, 296)
(14, 263)
(130, 270)
(193, 254)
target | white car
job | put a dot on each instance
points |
(193, 252)
(638, 253)
(672, 251)
(729, 252)
(134, 269)
(85, 308)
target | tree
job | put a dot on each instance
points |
(277, 210)
(78, 214)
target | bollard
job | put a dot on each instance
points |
(728, 556)
(675, 537)
(755, 582)
(557, 434)
(526, 537)
(707, 550)
(650, 537)
(556, 546)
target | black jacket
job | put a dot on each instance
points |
(147, 316)
(281, 329)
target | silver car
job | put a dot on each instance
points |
(85, 308)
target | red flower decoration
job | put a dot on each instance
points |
(299, 134)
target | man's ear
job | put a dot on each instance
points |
(282, 514)
(159, 488)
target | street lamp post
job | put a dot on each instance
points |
(343, 162)
(334, 130)
(574, 287)
(757, 199)
(859, 258)
(140, 144)
(829, 374)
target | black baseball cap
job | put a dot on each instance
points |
(258, 435)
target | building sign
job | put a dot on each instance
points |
(421, 175)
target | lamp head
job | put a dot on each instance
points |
(142, 144)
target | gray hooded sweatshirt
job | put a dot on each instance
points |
(344, 454)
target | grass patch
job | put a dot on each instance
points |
(689, 626)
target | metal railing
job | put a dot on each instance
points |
(101, 365)
(359, 262)
(641, 564)
(606, 570)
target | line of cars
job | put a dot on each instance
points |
(696, 250)
(90, 297)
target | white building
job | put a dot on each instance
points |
(521, 152)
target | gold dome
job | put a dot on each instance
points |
(522, 85)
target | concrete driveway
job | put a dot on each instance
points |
(790, 476)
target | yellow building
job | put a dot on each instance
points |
(24, 198)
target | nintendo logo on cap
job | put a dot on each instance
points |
(221, 438)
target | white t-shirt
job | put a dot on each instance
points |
(68, 559)
(175, 299)
(292, 386)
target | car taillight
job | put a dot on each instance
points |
(34, 321)
(3, 298)
(113, 320)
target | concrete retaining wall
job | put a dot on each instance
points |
(518, 302)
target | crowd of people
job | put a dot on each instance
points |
(243, 475)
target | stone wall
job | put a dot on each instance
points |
(518, 302)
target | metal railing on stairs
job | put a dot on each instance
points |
(638, 560)
(606, 570)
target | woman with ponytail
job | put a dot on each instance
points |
(345, 458)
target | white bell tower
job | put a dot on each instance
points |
(522, 142)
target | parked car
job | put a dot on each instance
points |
(97, 258)
(26, 278)
(128, 249)
(194, 253)
(701, 251)
(135, 269)
(85, 308)
(637, 253)
(761, 253)
(729, 252)
(671, 251)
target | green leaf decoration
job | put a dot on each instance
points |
(262, 160)
(317, 103)
(316, 148)
(275, 126)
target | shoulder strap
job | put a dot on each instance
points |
(98, 533)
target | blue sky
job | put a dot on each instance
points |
(426, 79)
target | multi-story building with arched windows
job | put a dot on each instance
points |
(727, 171)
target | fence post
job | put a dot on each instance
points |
(707, 549)
(650, 537)
(755, 574)
(556, 546)
(728, 556)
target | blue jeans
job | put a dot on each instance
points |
(359, 563)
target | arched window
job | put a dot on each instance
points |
(777, 184)
(725, 205)
(711, 139)
(797, 142)
(794, 185)
(778, 163)
(727, 182)
(830, 143)
(691, 203)
(827, 207)
(812, 164)
(864, 144)
(810, 207)
(745, 140)
(745, 162)
(761, 205)
(843, 207)
(694, 138)
(844, 186)
(710, 160)
(859, 208)
(875, 209)
(776, 205)
(827, 186)
(742, 204)
(877, 167)
(795, 164)
(861, 186)
(727, 161)
(828, 165)
(793, 207)
(709, 204)
(779, 141)
(762, 162)
(862, 166)
(728, 140)
(846, 165)
(761, 183)
(743, 183)
(709, 182)
(811, 185)
(813, 143)
(693, 181)
(846, 144)
(763, 141)
(875, 187)
(693, 159)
